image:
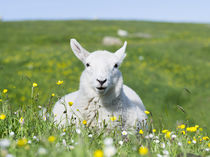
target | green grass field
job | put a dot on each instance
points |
(173, 79)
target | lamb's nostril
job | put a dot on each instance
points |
(101, 81)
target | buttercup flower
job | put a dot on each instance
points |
(154, 130)
(70, 103)
(5, 91)
(51, 139)
(183, 132)
(168, 135)
(141, 132)
(206, 138)
(164, 131)
(22, 142)
(147, 112)
(59, 82)
(2, 116)
(35, 84)
(181, 126)
(143, 150)
(84, 122)
(189, 142)
(113, 118)
(98, 153)
(53, 94)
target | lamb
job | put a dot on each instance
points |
(102, 97)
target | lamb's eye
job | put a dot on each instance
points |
(87, 65)
(116, 65)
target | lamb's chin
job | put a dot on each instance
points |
(101, 91)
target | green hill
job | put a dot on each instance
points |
(173, 74)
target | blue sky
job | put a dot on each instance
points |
(154, 10)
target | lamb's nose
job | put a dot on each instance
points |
(101, 81)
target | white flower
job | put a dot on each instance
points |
(156, 137)
(165, 152)
(72, 141)
(120, 143)
(63, 133)
(4, 143)
(156, 141)
(29, 141)
(163, 145)
(109, 151)
(64, 142)
(158, 155)
(141, 58)
(151, 135)
(71, 147)
(147, 137)
(9, 155)
(108, 141)
(42, 151)
(78, 131)
(39, 106)
(90, 135)
(21, 120)
(194, 141)
(11, 134)
(173, 136)
(124, 133)
(179, 143)
(35, 138)
(207, 149)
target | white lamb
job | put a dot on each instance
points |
(102, 98)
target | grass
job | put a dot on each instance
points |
(172, 80)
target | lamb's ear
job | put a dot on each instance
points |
(78, 50)
(121, 52)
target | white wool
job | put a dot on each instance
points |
(101, 93)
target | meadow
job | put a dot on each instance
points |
(169, 70)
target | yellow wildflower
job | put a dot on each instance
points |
(209, 145)
(153, 130)
(70, 103)
(191, 129)
(5, 91)
(0, 100)
(2, 116)
(84, 122)
(22, 142)
(59, 82)
(164, 131)
(182, 126)
(206, 138)
(35, 84)
(197, 126)
(143, 150)
(51, 139)
(141, 132)
(183, 132)
(189, 142)
(64, 130)
(53, 94)
(147, 112)
(98, 153)
(113, 118)
(168, 134)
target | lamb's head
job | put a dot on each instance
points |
(101, 72)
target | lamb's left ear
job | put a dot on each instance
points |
(121, 52)
(78, 50)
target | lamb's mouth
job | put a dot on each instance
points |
(101, 88)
